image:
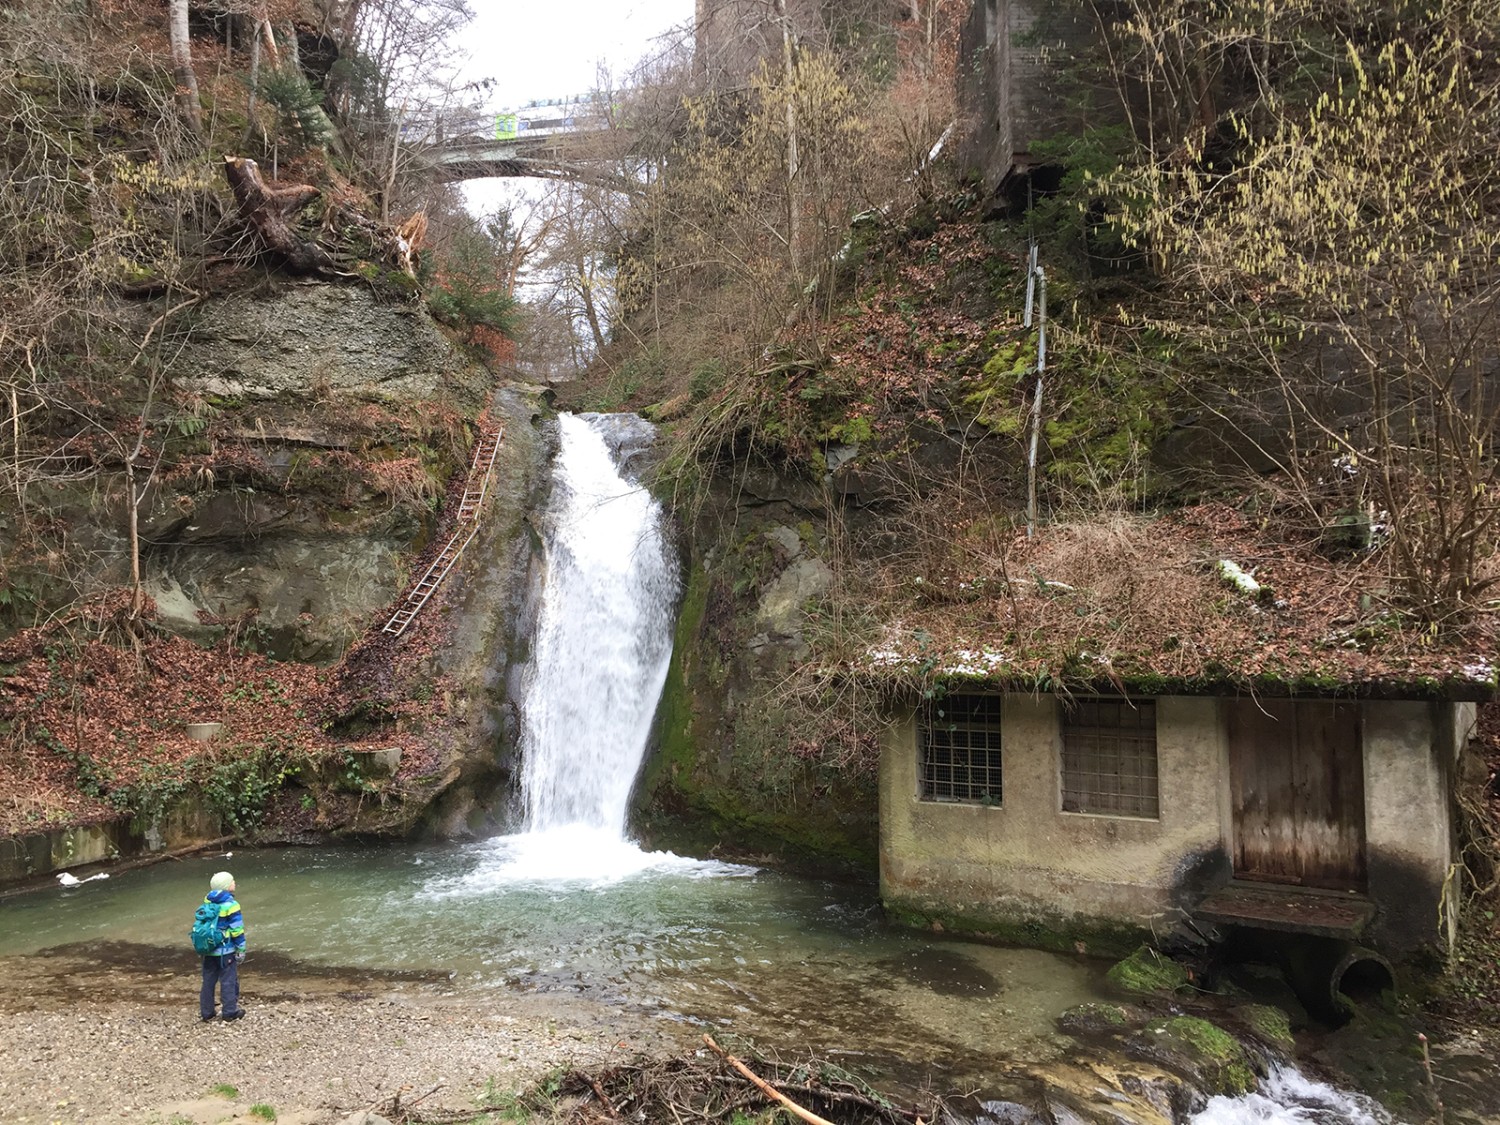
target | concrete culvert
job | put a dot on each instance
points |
(1333, 978)
(1362, 978)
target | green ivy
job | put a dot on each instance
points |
(240, 788)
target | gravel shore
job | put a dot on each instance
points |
(114, 1035)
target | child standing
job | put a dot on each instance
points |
(221, 967)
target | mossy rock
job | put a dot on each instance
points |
(1208, 1056)
(668, 410)
(1148, 973)
(1271, 1026)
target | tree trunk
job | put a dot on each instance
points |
(590, 310)
(182, 67)
(793, 204)
(254, 82)
(133, 515)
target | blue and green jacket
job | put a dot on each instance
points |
(231, 923)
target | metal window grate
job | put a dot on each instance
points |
(961, 750)
(1109, 759)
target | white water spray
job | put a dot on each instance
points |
(602, 646)
(1289, 1097)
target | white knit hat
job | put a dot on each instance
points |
(221, 882)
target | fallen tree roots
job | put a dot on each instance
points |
(269, 209)
(707, 1086)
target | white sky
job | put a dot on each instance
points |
(552, 49)
(536, 49)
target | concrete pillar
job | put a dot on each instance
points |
(1409, 754)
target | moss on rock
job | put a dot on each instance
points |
(1269, 1025)
(1207, 1055)
(1148, 973)
(709, 785)
(1096, 1018)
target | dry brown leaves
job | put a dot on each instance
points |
(1139, 597)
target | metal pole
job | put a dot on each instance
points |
(1036, 399)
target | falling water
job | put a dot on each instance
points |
(602, 646)
(1289, 1097)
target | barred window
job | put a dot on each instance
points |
(961, 749)
(1109, 758)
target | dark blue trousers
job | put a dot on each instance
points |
(223, 972)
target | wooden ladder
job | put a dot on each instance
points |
(469, 508)
(484, 460)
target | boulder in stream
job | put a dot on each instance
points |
(1148, 972)
(1206, 1055)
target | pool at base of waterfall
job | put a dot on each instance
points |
(799, 965)
(806, 964)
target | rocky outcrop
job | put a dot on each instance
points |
(726, 772)
(301, 465)
(304, 443)
(315, 339)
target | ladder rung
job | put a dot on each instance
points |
(485, 450)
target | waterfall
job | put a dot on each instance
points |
(601, 649)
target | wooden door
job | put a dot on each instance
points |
(1298, 788)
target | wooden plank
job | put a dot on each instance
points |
(1330, 795)
(1292, 909)
(1262, 742)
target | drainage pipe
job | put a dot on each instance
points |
(1334, 978)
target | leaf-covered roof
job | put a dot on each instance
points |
(1146, 604)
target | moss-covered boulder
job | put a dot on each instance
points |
(1270, 1026)
(1206, 1055)
(1147, 972)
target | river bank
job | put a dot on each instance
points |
(110, 1033)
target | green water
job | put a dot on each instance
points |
(804, 964)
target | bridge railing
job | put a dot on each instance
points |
(507, 125)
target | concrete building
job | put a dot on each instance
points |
(1018, 84)
(1094, 820)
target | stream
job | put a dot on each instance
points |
(569, 905)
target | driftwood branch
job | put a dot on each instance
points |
(269, 209)
(609, 1106)
(765, 1087)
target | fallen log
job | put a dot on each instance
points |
(269, 208)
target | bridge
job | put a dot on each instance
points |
(539, 140)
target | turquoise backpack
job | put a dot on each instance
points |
(205, 934)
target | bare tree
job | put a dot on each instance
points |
(396, 91)
(1339, 256)
(182, 65)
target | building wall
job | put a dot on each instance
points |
(1028, 865)
(1411, 759)
(1029, 871)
